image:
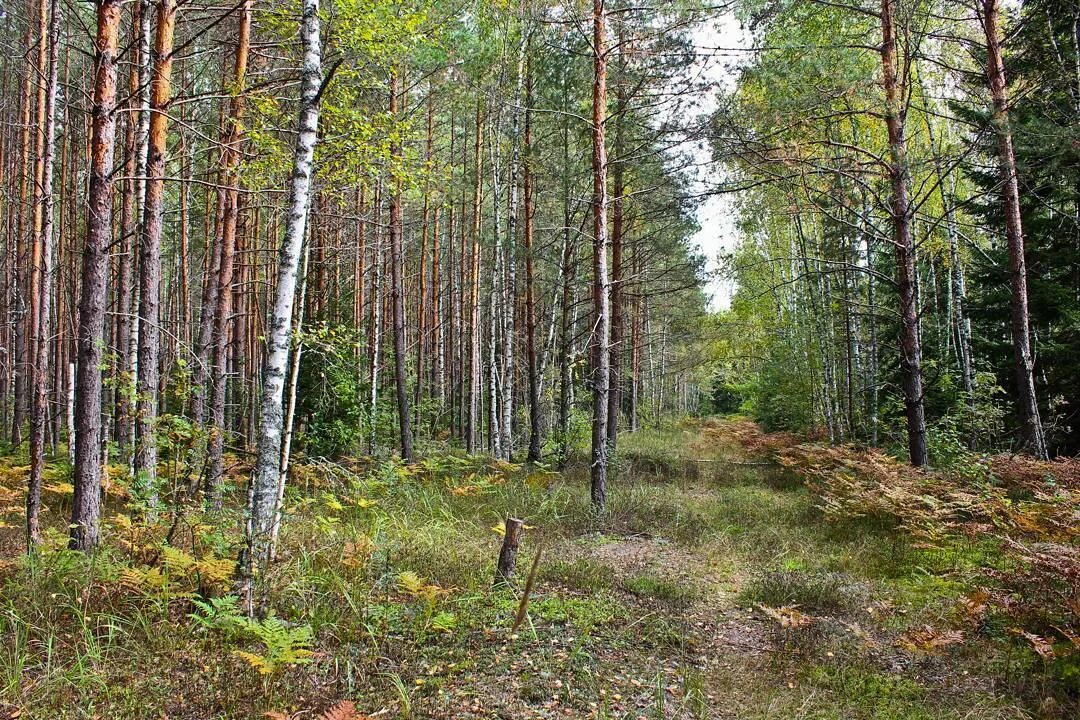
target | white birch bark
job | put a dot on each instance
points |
(268, 461)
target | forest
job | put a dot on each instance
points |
(521, 358)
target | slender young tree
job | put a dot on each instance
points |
(397, 282)
(265, 474)
(530, 278)
(473, 413)
(150, 277)
(230, 160)
(601, 302)
(43, 258)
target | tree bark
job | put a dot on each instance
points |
(86, 506)
(474, 299)
(40, 400)
(504, 570)
(230, 160)
(268, 459)
(150, 258)
(618, 190)
(530, 290)
(1034, 438)
(290, 406)
(910, 343)
(601, 306)
(398, 291)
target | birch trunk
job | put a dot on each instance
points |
(268, 460)
(601, 307)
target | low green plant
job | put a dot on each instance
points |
(282, 645)
(580, 573)
(220, 613)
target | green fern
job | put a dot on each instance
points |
(221, 613)
(284, 645)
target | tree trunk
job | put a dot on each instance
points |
(530, 291)
(601, 307)
(20, 280)
(1034, 437)
(398, 291)
(504, 570)
(565, 274)
(910, 344)
(474, 300)
(86, 506)
(506, 421)
(290, 406)
(268, 460)
(422, 326)
(230, 160)
(375, 338)
(40, 401)
(150, 258)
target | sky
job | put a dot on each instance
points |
(716, 215)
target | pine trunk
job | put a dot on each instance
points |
(910, 343)
(1034, 438)
(86, 506)
(601, 308)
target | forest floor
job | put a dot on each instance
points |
(712, 588)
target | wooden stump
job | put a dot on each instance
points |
(508, 554)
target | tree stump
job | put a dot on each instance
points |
(508, 554)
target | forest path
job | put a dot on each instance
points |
(715, 590)
(711, 588)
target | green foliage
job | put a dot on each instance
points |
(818, 590)
(219, 613)
(581, 574)
(330, 392)
(282, 645)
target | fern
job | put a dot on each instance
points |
(344, 710)
(444, 622)
(283, 645)
(222, 613)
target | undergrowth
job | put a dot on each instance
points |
(713, 586)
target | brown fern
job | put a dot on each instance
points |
(344, 710)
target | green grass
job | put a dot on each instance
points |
(640, 602)
(821, 591)
(665, 589)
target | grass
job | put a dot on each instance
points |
(638, 613)
(821, 590)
